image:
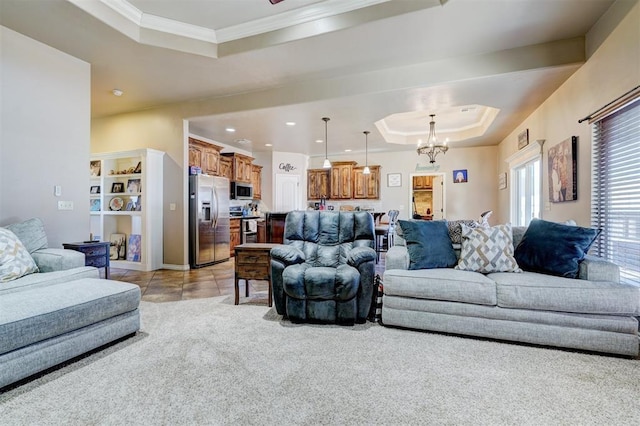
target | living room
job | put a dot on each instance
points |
(49, 133)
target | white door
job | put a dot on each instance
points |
(287, 193)
(438, 197)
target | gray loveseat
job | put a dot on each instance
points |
(593, 312)
(61, 312)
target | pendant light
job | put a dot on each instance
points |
(327, 163)
(366, 170)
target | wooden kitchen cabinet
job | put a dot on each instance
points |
(204, 155)
(226, 167)
(366, 186)
(256, 181)
(422, 182)
(234, 235)
(341, 180)
(317, 184)
(240, 166)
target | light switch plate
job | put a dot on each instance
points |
(65, 205)
(57, 190)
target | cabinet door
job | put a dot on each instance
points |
(359, 183)
(341, 181)
(210, 161)
(234, 235)
(195, 156)
(373, 183)
(247, 170)
(226, 168)
(317, 184)
(256, 181)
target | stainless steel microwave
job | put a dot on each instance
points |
(241, 191)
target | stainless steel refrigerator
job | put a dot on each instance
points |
(208, 220)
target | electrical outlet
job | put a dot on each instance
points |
(65, 205)
(172, 206)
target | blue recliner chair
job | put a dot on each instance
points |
(325, 269)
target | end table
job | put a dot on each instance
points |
(96, 253)
(253, 262)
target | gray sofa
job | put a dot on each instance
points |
(594, 312)
(61, 312)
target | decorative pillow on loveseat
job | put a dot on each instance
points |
(553, 248)
(487, 250)
(15, 260)
(428, 244)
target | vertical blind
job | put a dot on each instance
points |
(615, 204)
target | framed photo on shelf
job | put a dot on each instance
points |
(95, 189)
(134, 250)
(117, 187)
(394, 179)
(133, 186)
(118, 248)
(94, 205)
(94, 168)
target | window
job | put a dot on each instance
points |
(615, 205)
(525, 194)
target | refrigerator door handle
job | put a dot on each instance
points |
(216, 212)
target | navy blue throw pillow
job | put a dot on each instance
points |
(553, 248)
(428, 244)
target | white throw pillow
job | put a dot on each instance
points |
(15, 260)
(487, 250)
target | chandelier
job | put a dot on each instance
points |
(432, 148)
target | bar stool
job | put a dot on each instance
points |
(384, 233)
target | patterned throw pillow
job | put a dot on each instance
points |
(455, 229)
(15, 260)
(487, 250)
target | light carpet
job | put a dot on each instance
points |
(207, 361)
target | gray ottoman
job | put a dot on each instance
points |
(43, 326)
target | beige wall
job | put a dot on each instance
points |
(612, 70)
(462, 200)
(44, 137)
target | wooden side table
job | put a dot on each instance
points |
(96, 253)
(253, 262)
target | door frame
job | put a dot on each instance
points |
(442, 175)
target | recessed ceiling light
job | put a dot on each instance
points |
(268, 144)
(230, 129)
(117, 92)
(290, 123)
(347, 150)
(319, 141)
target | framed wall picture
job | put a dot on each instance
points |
(502, 180)
(394, 179)
(523, 138)
(460, 176)
(563, 171)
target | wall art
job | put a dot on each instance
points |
(563, 171)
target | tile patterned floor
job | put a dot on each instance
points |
(217, 280)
